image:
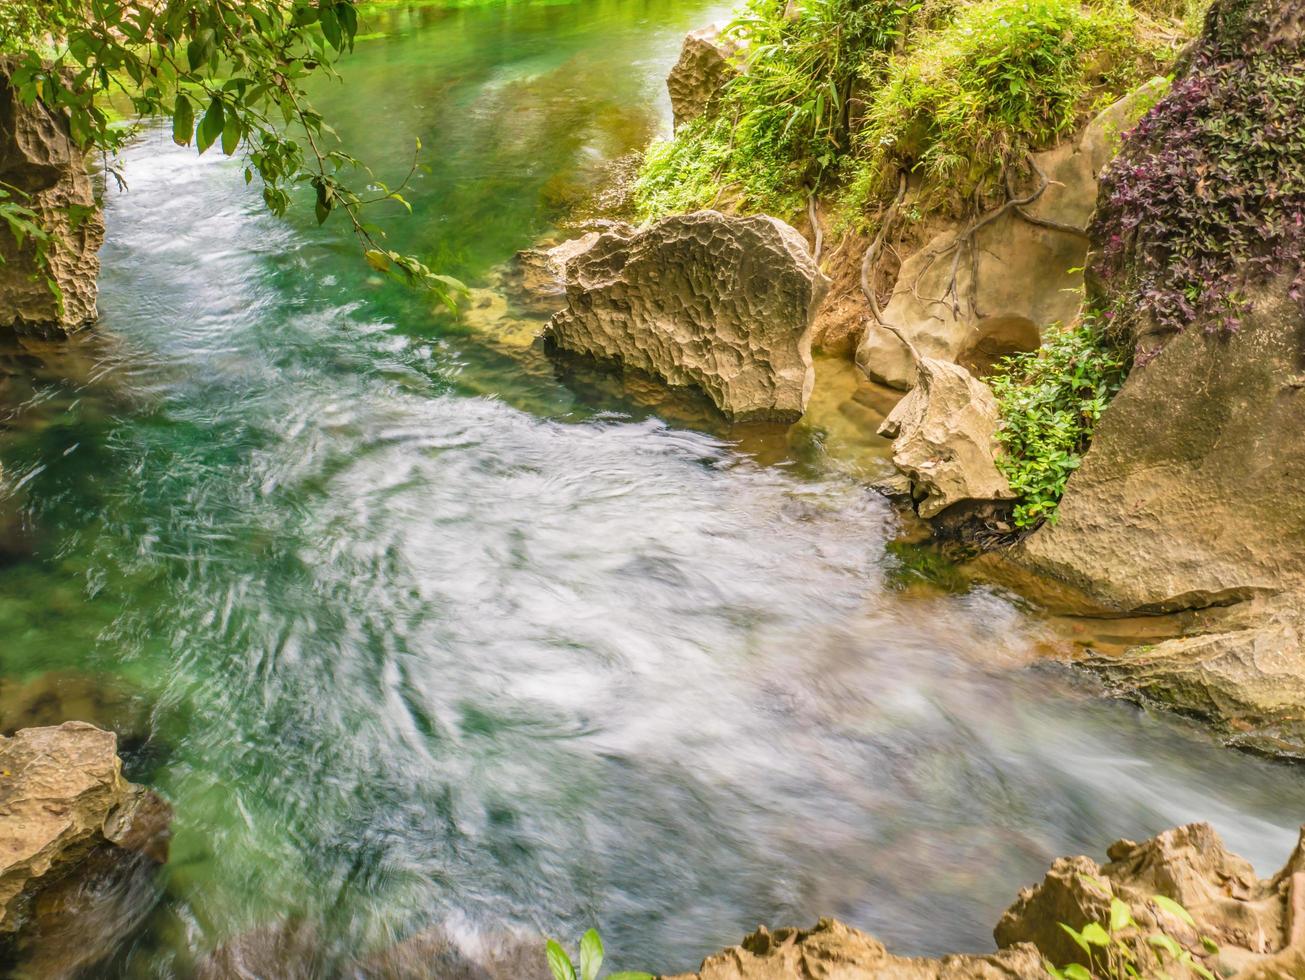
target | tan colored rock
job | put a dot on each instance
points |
(38, 157)
(834, 951)
(1247, 677)
(1028, 275)
(535, 280)
(720, 303)
(61, 795)
(1245, 916)
(944, 438)
(1190, 494)
(704, 66)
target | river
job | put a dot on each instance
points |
(418, 630)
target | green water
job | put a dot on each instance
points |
(418, 630)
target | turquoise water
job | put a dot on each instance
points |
(416, 629)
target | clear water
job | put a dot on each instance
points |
(431, 633)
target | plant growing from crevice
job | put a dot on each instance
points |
(1050, 401)
(591, 961)
(1122, 949)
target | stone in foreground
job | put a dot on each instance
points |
(62, 795)
(944, 438)
(40, 160)
(721, 303)
(835, 951)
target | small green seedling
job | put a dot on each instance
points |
(591, 960)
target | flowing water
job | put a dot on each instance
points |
(415, 629)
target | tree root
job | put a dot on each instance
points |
(815, 226)
(870, 268)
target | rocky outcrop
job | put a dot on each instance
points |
(705, 65)
(40, 160)
(944, 438)
(1257, 925)
(1022, 274)
(1243, 674)
(1190, 493)
(1254, 923)
(720, 303)
(835, 951)
(62, 794)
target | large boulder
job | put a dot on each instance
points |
(1021, 276)
(40, 160)
(944, 436)
(62, 795)
(705, 65)
(721, 303)
(834, 951)
(1190, 494)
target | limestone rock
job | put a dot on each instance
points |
(1190, 493)
(834, 951)
(1247, 677)
(944, 438)
(1024, 271)
(1246, 917)
(61, 795)
(704, 66)
(38, 157)
(721, 303)
(535, 280)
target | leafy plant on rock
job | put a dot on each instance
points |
(591, 961)
(1121, 949)
(1207, 200)
(1050, 401)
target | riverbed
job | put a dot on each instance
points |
(416, 628)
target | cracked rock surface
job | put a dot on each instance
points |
(717, 302)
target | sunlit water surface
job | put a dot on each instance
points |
(430, 635)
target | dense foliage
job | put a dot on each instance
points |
(1050, 401)
(786, 121)
(229, 73)
(966, 103)
(1207, 199)
(853, 92)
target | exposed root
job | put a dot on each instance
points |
(870, 266)
(815, 226)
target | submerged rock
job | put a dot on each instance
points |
(721, 303)
(704, 66)
(944, 439)
(39, 158)
(1022, 276)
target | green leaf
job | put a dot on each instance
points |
(1077, 936)
(1094, 934)
(210, 127)
(230, 133)
(630, 975)
(1121, 916)
(1077, 971)
(1174, 909)
(558, 962)
(591, 955)
(183, 121)
(1166, 943)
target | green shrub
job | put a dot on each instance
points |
(784, 123)
(1050, 401)
(966, 102)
